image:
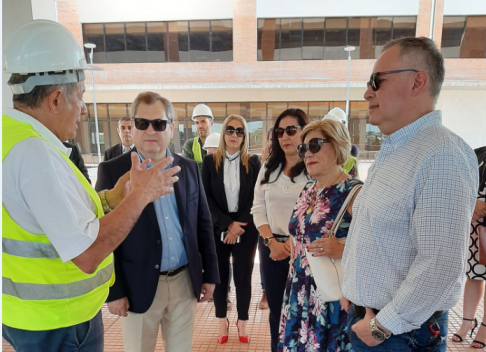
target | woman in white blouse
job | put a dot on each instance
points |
(229, 176)
(278, 186)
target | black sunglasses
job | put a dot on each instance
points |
(158, 124)
(291, 131)
(314, 146)
(240, 132)
(374, 81)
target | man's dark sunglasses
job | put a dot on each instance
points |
(240, 132)
(374, 81)
(158, 124)
(314, 146)
(291, 131)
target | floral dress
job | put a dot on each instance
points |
(308, 324)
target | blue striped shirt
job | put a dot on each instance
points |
(407, 246)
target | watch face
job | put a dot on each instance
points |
(378, 335)
(266, 241)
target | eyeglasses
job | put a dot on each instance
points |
(240, 132)
(158, 124)
(291, 131)
(374, 82)
(314, 146)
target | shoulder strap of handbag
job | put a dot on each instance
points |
(340, 215)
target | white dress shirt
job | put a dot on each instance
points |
(232, 180)
(127, 149)
(273, 202)
(408, 241)
(43, 195)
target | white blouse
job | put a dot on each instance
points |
(273, 202)
(231, 180)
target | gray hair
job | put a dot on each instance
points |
(124, 118)
(150, 98)
(35, 98)
(426, 50)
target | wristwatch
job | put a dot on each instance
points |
(267, 240)
(376, 332)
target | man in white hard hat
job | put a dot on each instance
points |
(57, 245)
(212, 142)
(125, 131)
(203, 120)
(338, 114)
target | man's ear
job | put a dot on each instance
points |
(420, 83)
(54, 101)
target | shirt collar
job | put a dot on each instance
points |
(167, 155)
(38, 127)
(404, 134)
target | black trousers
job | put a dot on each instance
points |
(274, 277)
(243, 257)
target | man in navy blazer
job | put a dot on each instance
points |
(168, 260)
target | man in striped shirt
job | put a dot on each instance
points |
(405, 257)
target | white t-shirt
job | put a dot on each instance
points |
(43, 195)
(273, 202)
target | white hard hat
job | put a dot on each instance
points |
(201, 110)
(336, 114)
(42, 46)
(212, 141)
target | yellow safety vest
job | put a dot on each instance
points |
(196, 150)
(350, 163)
(39, 291)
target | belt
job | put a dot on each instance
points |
(173, 272)
(361, 312)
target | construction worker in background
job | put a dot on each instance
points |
(351, 166)
(203, 120)
(57, 245)
(212, 142)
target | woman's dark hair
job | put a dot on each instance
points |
(277, 155)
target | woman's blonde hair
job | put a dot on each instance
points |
(244, 154)
(336, 133)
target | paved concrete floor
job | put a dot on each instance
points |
(206, 329)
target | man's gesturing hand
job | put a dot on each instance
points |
(154, 182)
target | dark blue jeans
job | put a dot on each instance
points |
(419, 340)
(84, 337)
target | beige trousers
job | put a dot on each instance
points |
(174, 308)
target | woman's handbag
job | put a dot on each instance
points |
(328, 272)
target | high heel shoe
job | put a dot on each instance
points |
(244, 339)
(460, 339)
(224, 339)
(478, 342)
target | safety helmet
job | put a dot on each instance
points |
(48, 50)
(202, 110)
(212, 141)
(336, 114)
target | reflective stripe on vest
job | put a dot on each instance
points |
(39, 291)
(196, 150)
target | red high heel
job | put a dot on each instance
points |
(244, 339)
(224, 339)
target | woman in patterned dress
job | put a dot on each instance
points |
(476, 273)
(307, 323)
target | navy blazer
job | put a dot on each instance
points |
(138, 258)
(214, 186)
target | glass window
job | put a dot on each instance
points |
(404, 27)
(354, 33)
(268, 39)
(94, 33)
(222, 40)
(101, 110)
(157, 41)
(115, 43)
(317, 109)
(179, 42)
(257, 111)
(116, 111)
(474, 42)
(382, 33)
(366, 49)
(313, 39)
(452, 32)
(302, 105)
(199, 41)
(291, 39)
(335, 39)
(180, 112)
(236, 109)
(219, 110)
(136, 42)
(275, 109)
(255, 131)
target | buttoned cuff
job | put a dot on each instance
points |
(391, 319)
